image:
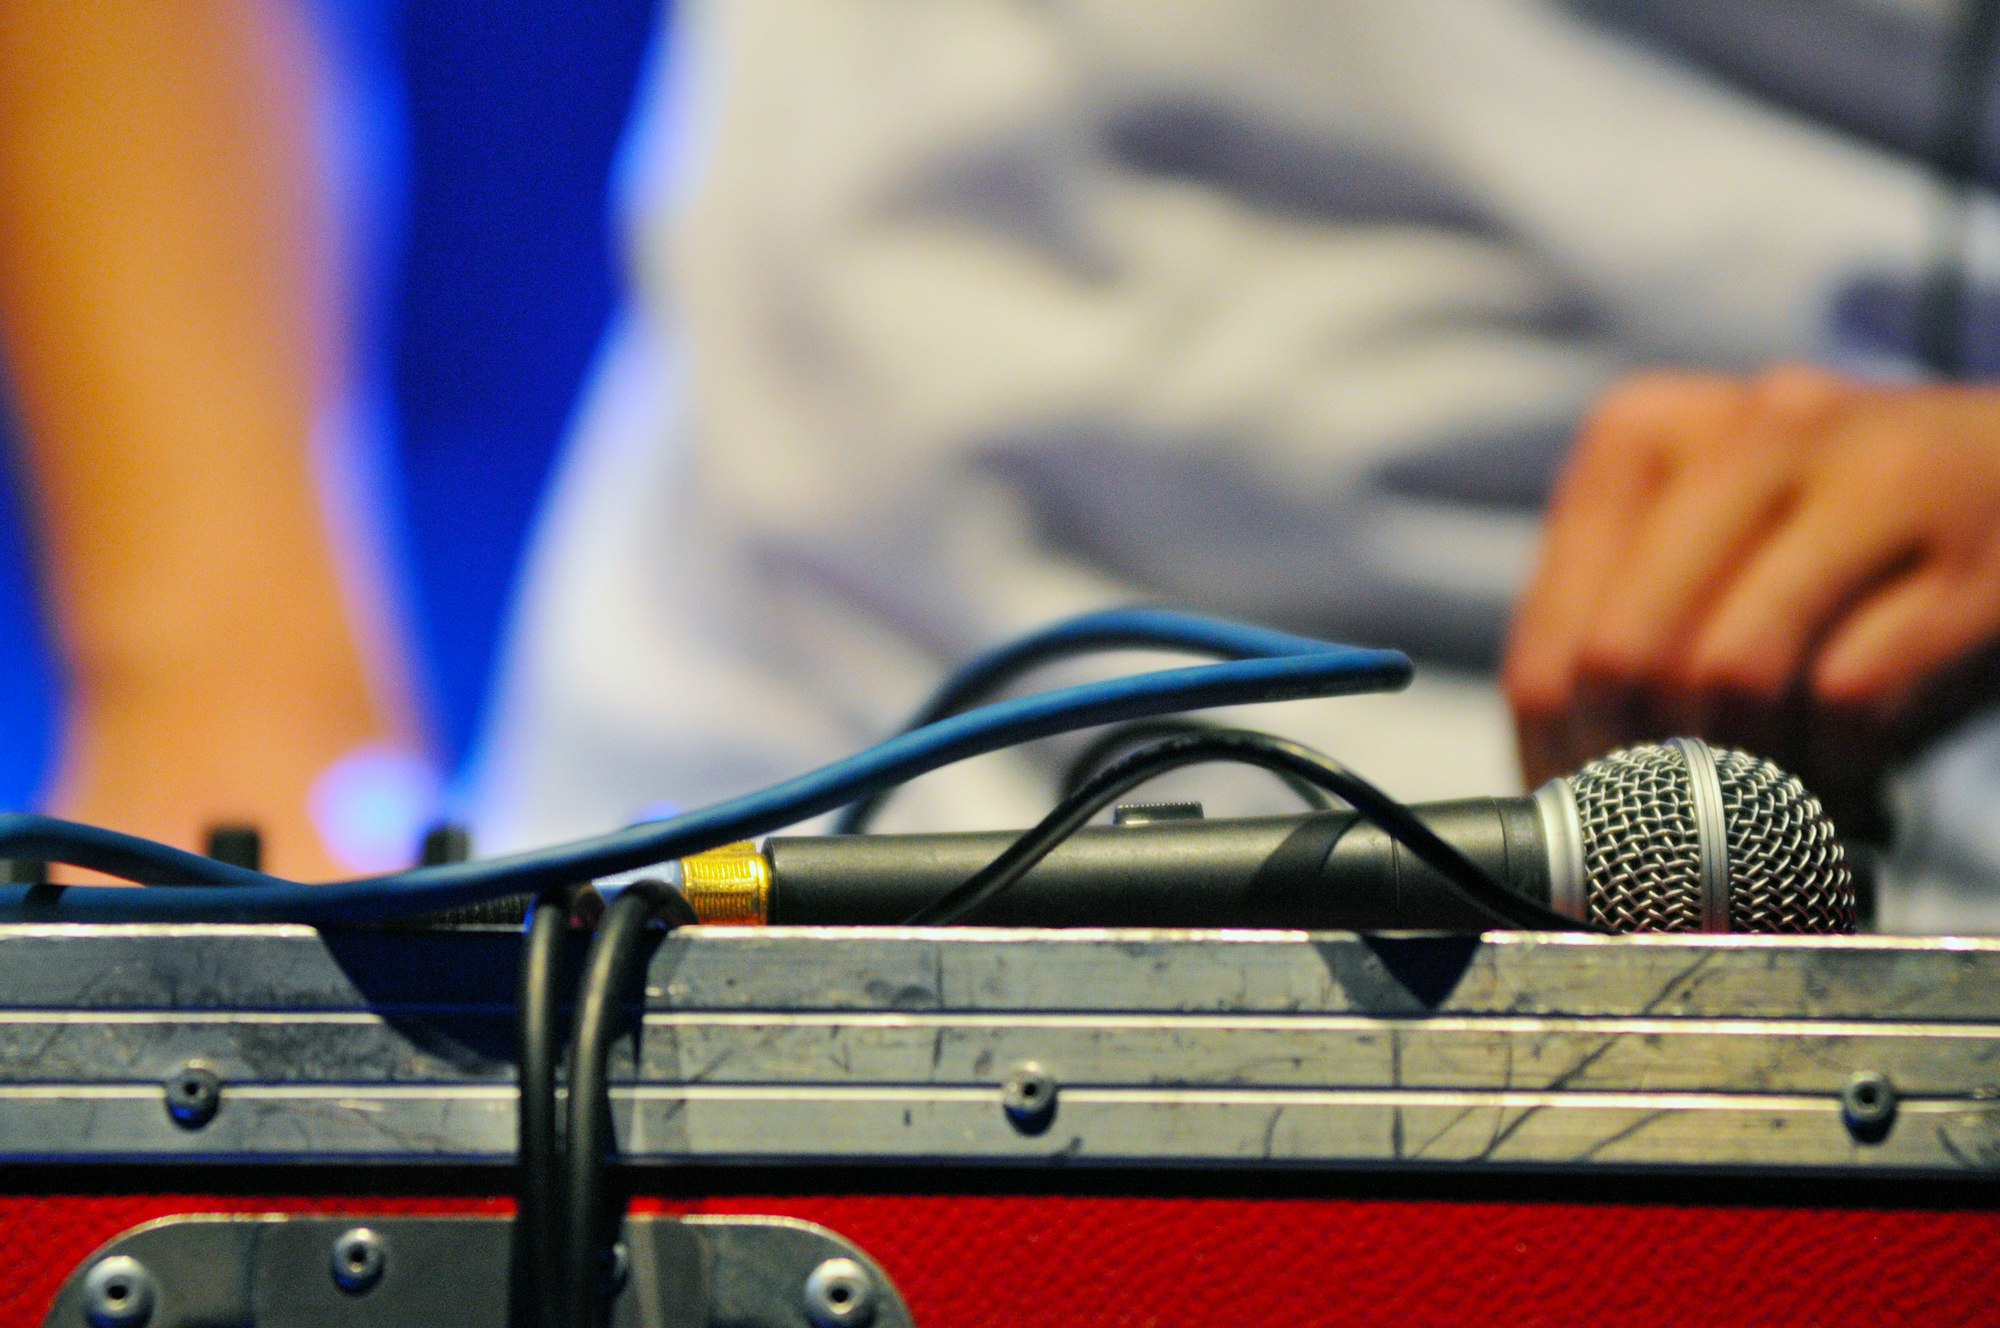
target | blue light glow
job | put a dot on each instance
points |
(373, 806)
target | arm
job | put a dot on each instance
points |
(173, 326)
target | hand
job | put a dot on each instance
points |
(1796, 564)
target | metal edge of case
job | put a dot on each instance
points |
(241, 969)
(897, 1045)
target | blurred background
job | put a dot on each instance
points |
(945, 323)
(487, 131)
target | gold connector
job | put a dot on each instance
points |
(728, 886)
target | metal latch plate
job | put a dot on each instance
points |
(278, 1271)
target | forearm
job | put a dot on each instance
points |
(173, 333)
(169, 291)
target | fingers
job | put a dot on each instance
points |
(1747, 661)
(1891, 650)
(1624, 454)
(1695, 539)
(1589, 529)
(1741, 467)
(1851, 741)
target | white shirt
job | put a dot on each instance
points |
(951, 319)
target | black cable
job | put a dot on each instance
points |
(987, 677)
(615, 964)
(1942, 334)
(537, 1223)
(1473, 886)
(1128, 736)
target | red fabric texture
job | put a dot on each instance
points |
(961, 1261)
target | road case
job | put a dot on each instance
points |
(282, 1126)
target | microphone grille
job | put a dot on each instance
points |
(1642, 845)
(1787, 870)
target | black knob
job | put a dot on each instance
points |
(445, 844)
(23, 871)
(237, 845)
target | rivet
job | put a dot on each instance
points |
(840, 1293)
(193, 1095)
(118, 1292)
(1029, 1097)
(1868, 1106)
(359, 1258)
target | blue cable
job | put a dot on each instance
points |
(1113, 629)
(1267, 666)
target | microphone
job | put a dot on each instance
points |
(1674, 837)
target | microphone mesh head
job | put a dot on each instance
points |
(1642, 846)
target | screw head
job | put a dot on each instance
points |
(359, 1258)
(1029, 1097)
(118, 1292)
(193, 1095)
(1868, 1106)
(840, 1293)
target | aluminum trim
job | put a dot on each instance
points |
(965, 1048)
(1171, 1047)
(790, 1127)
(424, 976)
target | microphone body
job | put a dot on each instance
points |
(1316, 872)
(1673, 837)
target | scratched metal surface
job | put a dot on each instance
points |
(885, 1046)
